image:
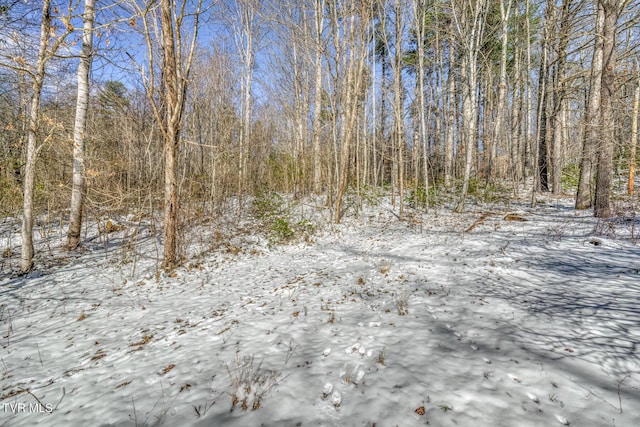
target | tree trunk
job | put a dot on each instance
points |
(398, 116)
(171, 137)
(451, 116)
(26, 259)
(528, 140)
(354, 59)
(602, 207)
(494, 161)
(317, 101)
(634, 140)
(559, 98)
(80, 127)
(473, 44)
(559, 126)
(247, 18)
(584, 196)
(544, 94)
(469, 117)
(420, 8)
(518, 120)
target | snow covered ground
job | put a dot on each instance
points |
(476, 319)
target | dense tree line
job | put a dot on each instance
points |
(192, 106)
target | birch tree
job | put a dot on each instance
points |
(80, 126)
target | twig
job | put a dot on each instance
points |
(39, 355)
(64, 392)
(479, 221)
(42, 405)
(619, 393)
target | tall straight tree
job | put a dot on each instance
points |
(168, 102)
(634, 139)
(80, 126)
(46, 50)
(398, 104)
(451, 111)
(498, 132)
(352, 19)
(584, 196)
(419, 10)
(612, 10)
(544, 99)
(470, 21)
(318, 48)
(247, 35)
(559, 113)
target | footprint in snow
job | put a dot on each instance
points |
(514, 378)
(356, 348)
(533, 397)
(358, 377)
(326, 390)
(562, 420)
(336, 399)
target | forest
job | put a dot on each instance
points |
(186, 107)
(374, 191)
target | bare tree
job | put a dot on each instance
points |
(48, 46)
(494, 162)
(79, 130)
(351, 20)
(318, 11)
(419, 11)
(612, 10)
(559, 114)
(634, 139)
(398, 104)
(451, 112)
(247, 35)
(584, 196)
(541, 181)
(169, 103)
(469, 21)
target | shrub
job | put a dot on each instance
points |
(271, 209)
(281, 229)
(417, 197)
(268, 204)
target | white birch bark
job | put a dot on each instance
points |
(80, 126)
